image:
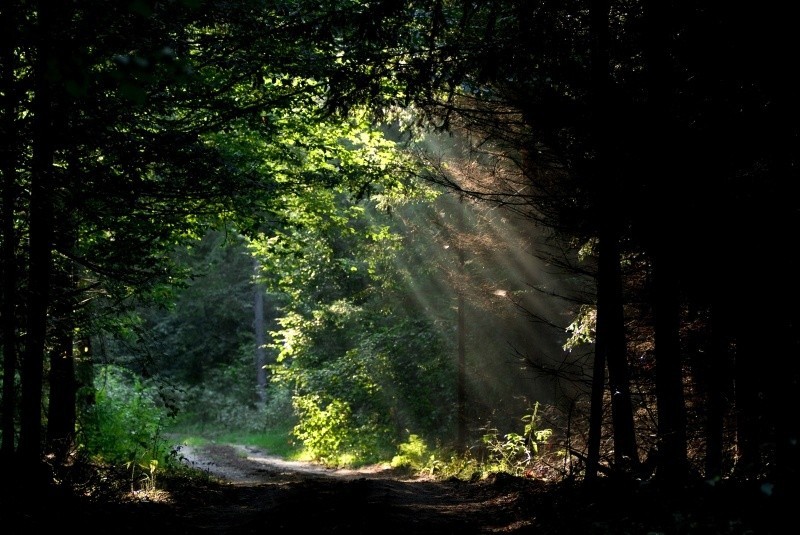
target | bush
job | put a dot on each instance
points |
(515, 453)
(412, 454)
(124, 424)
(333, 435)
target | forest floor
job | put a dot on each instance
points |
(240, 490)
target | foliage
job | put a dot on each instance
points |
(358, 402)
(210, 411)
(325, 429)
(206, 332)
(582, 329)
(413, 454)
(363, 370)
(147, 477)
(125, 424)
(447, 463)
(515, 452)
(360, 384)
(200, 349)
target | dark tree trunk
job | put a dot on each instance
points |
(672, 456)
(40, 245)
(63, 386)
(61, 404)
(610, 346)
(261, 338)
(461, 380)
(611, 326)
(599, 58)
(8, 159)
(84, 374)
(717, 380)
(748, 404)
(598, 386)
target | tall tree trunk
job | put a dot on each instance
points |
(748, 402)
(40, 245)
(610, 346)
(8, 160)
(611, 328)
(672, 456)
(461, 381)
(61, 403)
(63, 385)
(261, 338)
(598, 386)
(716, 378)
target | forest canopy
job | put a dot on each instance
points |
(507, 230)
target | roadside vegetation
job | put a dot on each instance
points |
(129, 431)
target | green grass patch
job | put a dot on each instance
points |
(276, 441)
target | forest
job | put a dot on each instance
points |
(456, 237)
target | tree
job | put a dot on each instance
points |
(8, 26)
(261, 338)
(672, 461)
(43, 182)
(610, 344)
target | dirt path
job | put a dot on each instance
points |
(262, 493)
(250, 492)
(247, 465)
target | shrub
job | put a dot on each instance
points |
(124, 424)
(514, 453)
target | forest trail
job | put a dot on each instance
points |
(257, 492)
(247, 491)
(239, 464)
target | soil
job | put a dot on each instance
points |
(241, 490)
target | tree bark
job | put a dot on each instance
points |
(610, 346)
(40, 244)
(8, 160)
(461, 381)
(611, 342)
(261, 338)
(672, 455)
(716, 378)
(61, 408)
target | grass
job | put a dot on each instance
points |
(277, 441)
